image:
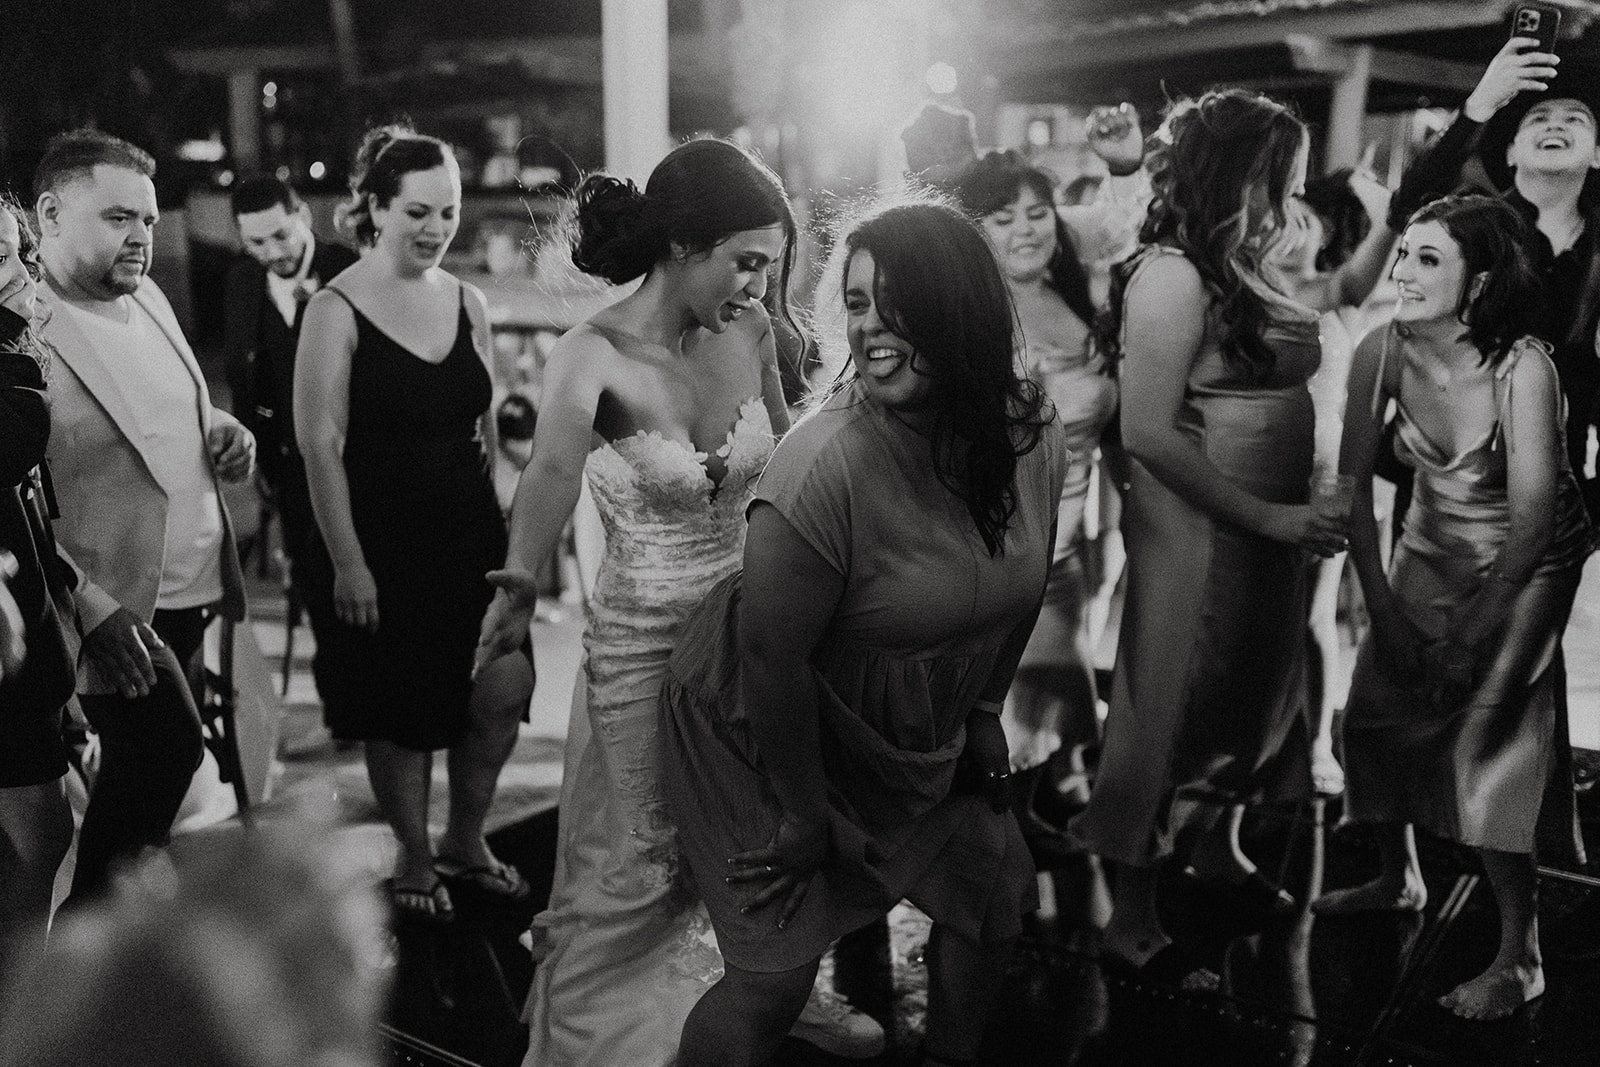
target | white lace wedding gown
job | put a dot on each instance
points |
(627, 949)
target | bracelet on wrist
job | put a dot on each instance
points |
(991, 707)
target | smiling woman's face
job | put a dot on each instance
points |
(886, 362)
(418, 225)
(1023, 234)
(1429, 273)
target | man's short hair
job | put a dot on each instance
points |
(74, 154)
(260, 193)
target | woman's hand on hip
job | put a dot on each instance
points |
(355, 597)
(784, 868)
(505, 624)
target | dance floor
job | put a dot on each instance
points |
(1252, 989)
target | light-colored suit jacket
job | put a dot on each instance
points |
(113, 518)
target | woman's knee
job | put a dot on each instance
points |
(775, 996)
(502, 690)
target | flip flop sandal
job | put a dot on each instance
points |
(495, 878)
(432, 905)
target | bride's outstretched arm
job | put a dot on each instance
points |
(548, 489)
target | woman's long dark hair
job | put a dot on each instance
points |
(1219, 176)
(937, 285)
(702, 193)
(994, 182)
(1493, 238)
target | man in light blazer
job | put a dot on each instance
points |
(136, 451)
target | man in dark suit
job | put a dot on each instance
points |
(266, 294)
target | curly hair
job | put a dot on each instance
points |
(994, 182)
(1219, 174)
(703, 192)
(937, 285)
(386, 155)
(27, 253)
(1493, 239)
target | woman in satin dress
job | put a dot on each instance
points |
(1208, 701)
(1451, 721)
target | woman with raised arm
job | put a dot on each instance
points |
(392, 393)
(1208, 698)
(1451, 719)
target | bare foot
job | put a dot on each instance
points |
(1380, 894)
(1495, 993)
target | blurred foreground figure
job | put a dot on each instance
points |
(38, 638)
(259, 954)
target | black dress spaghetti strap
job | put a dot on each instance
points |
(430, 528)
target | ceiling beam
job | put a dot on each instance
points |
(1144, 44)
(1319, 55)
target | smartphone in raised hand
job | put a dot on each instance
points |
(1539, 21)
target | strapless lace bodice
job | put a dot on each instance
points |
(671, 530)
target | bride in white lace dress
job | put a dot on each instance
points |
(669, 403)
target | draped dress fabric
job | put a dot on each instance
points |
(627, 950)
(913, 641)
(1208, 698)
(1474, 773)
(1085, 396)
(425, 516)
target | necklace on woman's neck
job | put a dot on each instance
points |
(1443, 376)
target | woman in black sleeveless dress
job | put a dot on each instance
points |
(391, 401)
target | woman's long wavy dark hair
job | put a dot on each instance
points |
(1219, 176)
(1493, 238)
(702, 193)
(937, 285)
(994, 182)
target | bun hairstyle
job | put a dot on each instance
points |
(387, 154)
(701, 194)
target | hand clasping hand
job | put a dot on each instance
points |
(505, 624)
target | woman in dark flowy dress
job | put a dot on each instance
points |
(817, 709)
(392, 392)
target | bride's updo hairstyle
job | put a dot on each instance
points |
(702, 193)
(387, 154)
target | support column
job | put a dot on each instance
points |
(1348, 109)
(244, 120)
(633, 45)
